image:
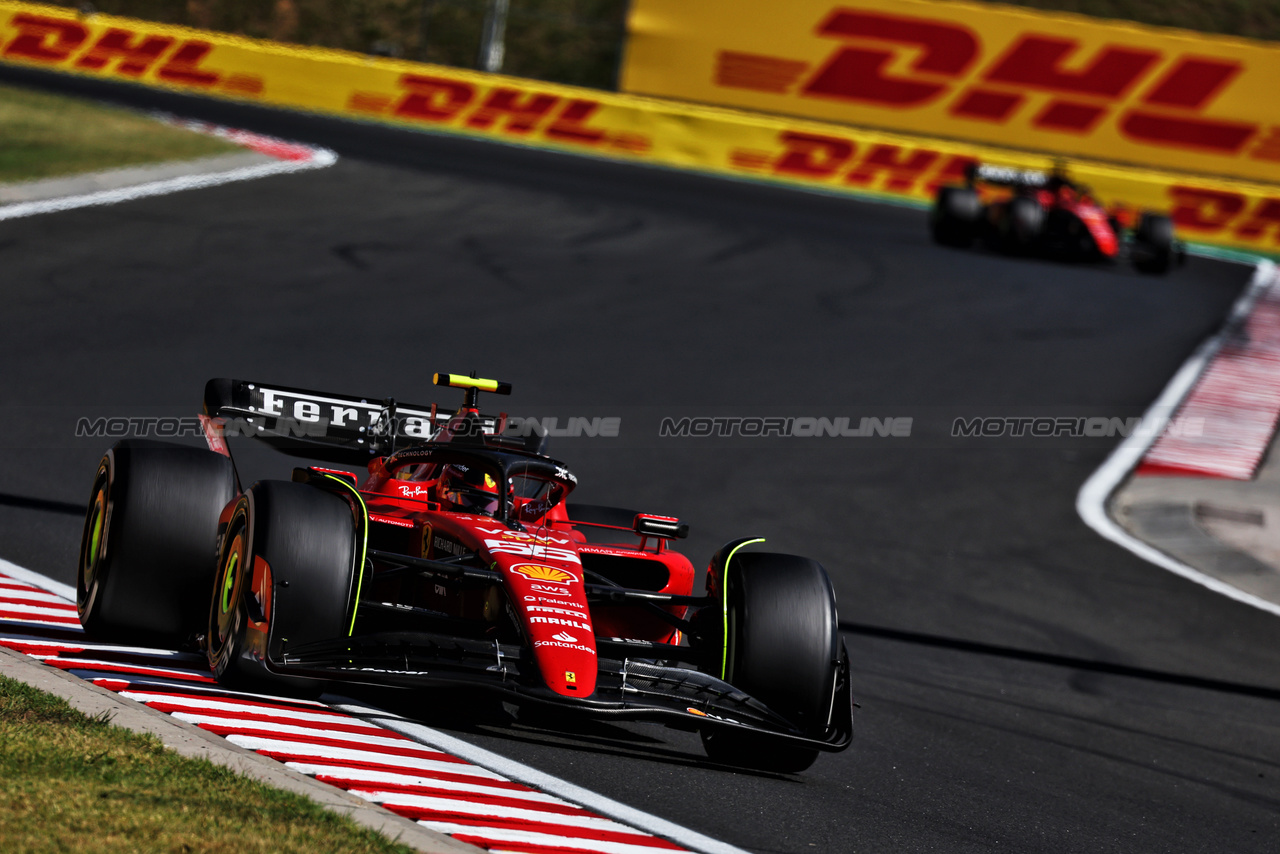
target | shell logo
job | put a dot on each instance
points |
(533, 572)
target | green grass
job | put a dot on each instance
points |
(72, 783)
(47, 136)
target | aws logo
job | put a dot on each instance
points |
(534, 572)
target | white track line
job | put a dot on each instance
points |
(322, 158)
(485, 764)
(1091, 501)
(491, 835)
(321, 752)
(35, 579)
(369, 779)
(545, 782)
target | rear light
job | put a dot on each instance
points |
(665, 527)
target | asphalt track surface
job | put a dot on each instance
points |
(1024, 685)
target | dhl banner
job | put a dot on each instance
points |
(992, 74)
(805, 153)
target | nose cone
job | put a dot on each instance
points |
(567, 660)
(552, 605)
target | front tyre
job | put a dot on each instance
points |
(782, 646)
(286, 577)
(1152, 250)
(953, 220)
(150, 534)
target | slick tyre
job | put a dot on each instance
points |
(953, 220)
(782, 647)
(150, 537)
(286, 576)
(1153, 250)
(1022, 225)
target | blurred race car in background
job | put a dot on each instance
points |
(454, 560)
(1028, 212)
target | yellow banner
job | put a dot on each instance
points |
(830, 157)
(988, 73)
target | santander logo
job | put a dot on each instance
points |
(565, 637)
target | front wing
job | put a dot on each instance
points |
(628, 688)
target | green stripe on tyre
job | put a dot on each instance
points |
(229, 580)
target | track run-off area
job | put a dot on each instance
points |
(1025, 685)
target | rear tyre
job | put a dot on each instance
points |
(1153, 246)
(286, 577)
(1022, 224)
(953, 220)
(150, 539)
(781, 647)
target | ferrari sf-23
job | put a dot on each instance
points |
(454, 559)
(1021, 212)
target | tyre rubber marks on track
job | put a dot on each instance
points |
(439, 790)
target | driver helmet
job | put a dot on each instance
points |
(468, 489)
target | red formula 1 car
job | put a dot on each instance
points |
(1028, 212)
(456, 562)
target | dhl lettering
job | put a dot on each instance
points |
(1087, 85)
(45, 39)
(183, 66)
(118, 50)
(133, 57)
(952, 173)
(1264, 219)
(433, 99)
(522, 112)
(816, 157)
(812, 156)
(1268, 147)
(1193, 83)
(1219, 137)
(1205, 213)
(1203, 210)
(902, 169)
(986, 105)
(1035, 62)
(856, 73)
(504, 109)
(570, 125)
(1188, 87)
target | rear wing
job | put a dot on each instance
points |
(335, 428)
(1004, 176)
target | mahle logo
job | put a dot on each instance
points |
(533, 572)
